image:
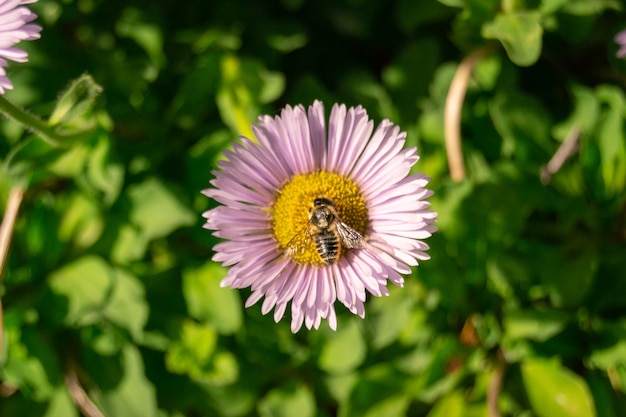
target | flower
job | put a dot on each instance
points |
(270, 189)
(14, 27)
(620, 39)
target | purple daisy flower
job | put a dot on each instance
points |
(14, 27)
(311, 217)
(620, 39)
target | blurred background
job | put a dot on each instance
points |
(110, 299)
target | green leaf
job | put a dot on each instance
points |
(96, 291)
(126, 304)
(388, 317)
(585, 113)
(61, 404)
(156, 211)
(147, 35)
(130, 245)
(589, 8)
(71, 163)
(85, 283)
(539, 325)
(340, 386)
(520, 34)
(197, 355)
(611, 139)
(245, 85)
(103, 174)
(31, 364)
(81, 221)
(550, 6)
(287, 401)
(452, 405)
(196, 346)
(207, 301)
(133, 395)
(609, 346)
(555, 391)
(393, 405)
(344, 351)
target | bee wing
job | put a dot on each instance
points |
(349, 237)
(292, 249)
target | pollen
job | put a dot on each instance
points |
(295, 200)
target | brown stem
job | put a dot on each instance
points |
(16, 196)
(568, 147)
(495, 386)
(78, 394)
(8, 222)
(453, 109)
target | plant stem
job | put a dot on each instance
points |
(6, 232)
(31, 122)
(8, 222)
(453, 108)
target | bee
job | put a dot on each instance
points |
(329, 233)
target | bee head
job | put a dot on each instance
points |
(323, 201)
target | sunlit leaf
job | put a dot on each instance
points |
(395, 405)
(288, 401)
(245, 85)
(81, 222)
(206, 300)
(61, 404)
(534, 324)
(594, 7)
(555, 391)
(520, 34)
(611, 139)
(104, 174)
(197, 354)
(389, 317)
(156, 211)
(126, 305)
(95, 291)
(451, 405)
(344, 350)
(85, 283)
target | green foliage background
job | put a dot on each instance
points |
(522, 306)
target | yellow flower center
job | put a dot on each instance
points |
(295, 200)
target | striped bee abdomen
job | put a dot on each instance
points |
(328, 246)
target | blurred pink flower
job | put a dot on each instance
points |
(270, 189)
(15, 26)
(620, 39)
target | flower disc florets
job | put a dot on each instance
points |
(292, 208)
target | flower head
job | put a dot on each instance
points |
(15, 26)
(620, 39)
(311, 216)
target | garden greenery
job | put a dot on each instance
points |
(111, 304)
